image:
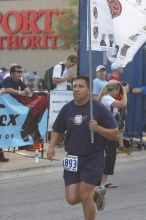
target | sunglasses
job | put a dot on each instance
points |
(18, 71)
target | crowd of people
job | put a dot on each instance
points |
(88, 163)
(112, 91)
(16, 80)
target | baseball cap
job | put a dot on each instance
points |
(100, 67)
(115, 66)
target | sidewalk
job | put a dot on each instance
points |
(24, 160)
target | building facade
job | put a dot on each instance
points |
(28, 35)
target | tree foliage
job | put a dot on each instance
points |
(67, 25)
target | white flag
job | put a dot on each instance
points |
(102, 34)
(129, 20)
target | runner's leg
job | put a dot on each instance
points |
(87, 194)
(72, 194)
(82, 193)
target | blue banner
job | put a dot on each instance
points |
(23, 120)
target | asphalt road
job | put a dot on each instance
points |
(41, 196)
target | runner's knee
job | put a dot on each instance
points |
(71, 199)
(86, 196)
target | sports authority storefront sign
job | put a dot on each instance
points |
(28, 29)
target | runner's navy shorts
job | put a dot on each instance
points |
(90, 170)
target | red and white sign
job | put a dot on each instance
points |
(28, 29)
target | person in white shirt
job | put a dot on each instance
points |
(107, 97)
(60, 79)
(99, 81)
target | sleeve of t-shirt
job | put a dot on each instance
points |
(59, 124)
(57, 71)
(107, 101)
(96, 89)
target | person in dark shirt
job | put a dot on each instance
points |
(19, 90)
(13, 84)
(84, 163)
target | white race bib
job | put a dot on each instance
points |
(70, 163)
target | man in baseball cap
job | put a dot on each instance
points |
(115, 66)
(117, 69)
(100, 81)
(100, 67)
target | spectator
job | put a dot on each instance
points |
(3, 74)
(100, 81)
(6, 73)
(13, 84)
(35, 80)
(74, 118)
(107, 97)
(1, 77)
(60, 80)
(117, 70)
(26, 77)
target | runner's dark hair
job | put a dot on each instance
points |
(85, 78)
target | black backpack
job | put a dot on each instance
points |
(48, 77)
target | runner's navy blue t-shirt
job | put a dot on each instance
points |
(10, 83)
(75, 121)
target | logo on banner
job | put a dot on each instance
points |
(115, 8)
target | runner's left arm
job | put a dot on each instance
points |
(108, 133)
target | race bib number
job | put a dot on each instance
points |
(70, 163)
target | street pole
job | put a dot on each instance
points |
(90, 64)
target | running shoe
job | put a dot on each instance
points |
(100, 197)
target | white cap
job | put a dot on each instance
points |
(115, 66)
(100, 67)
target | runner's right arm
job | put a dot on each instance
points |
(55, 138)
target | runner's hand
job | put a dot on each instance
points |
(50, 153)
(93, 125)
